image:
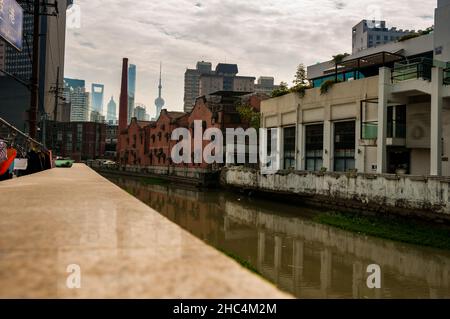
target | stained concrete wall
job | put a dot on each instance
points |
(424, 197)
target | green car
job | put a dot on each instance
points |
(64, 163)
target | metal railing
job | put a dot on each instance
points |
(17, 138)
(369, 130)
(418, 68)
(395, 129)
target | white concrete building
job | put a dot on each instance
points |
(371, 33)
(390, 113)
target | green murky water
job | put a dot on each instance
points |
(302, 257)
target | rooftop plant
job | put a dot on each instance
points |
(327, 85)
(415, 35)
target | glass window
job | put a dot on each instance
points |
(396, 124)
(344, 146)
(314, 147)
(289, 147)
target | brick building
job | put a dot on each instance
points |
(80, 141)
(146, 146)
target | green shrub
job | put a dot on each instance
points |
(327, 85)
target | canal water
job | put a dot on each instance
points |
(284, 245)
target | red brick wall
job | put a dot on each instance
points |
(150, 144)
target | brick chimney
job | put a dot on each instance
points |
(123, 106)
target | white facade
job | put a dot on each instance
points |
(79, 102)
(370, 33)
(395, 119)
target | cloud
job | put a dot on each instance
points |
(264, 37)
(339, 4)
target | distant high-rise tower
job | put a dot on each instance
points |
(192, 83)
(97, 97)
(140, 112)
(159, 102)
(75, 94)
(111, 116)
(131, 90)
(15, 97)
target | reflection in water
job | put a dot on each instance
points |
(304, 258)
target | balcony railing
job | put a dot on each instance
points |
(447, 75)
(369, 130)
(419, 68)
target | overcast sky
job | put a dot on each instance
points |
(264, 37)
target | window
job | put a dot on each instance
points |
(79, 136)
(344, 146)
(269, 142)
(396, 121)
(69, 146)
(314, 147)
(289, 147)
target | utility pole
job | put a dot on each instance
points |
(32, 113)
(57, 97)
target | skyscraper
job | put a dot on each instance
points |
(111, 116)
(159, 102)
(266, 85)
(225, 78)
(131, 90)
(75, 94)
(97, 97)
(15, 96)
(192, 83)
(140, 112)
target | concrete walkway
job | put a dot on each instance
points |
(125, 249)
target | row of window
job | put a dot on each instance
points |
(386, 38)
(344, 146)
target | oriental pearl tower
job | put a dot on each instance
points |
(159, 102)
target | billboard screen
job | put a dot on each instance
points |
(11, 23)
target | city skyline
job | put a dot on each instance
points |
(187, 32)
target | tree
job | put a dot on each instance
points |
(249, 115)
(283, 85)
(300, 76)
(281, 90)
(337, 59)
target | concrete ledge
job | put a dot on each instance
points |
(125, 249)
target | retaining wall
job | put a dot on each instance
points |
(422, 196)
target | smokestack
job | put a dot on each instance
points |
(123, 105)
